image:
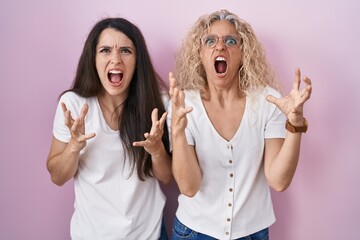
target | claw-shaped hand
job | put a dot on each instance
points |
(153, 144)
(77, 127)
(179, 111)
(292, 105)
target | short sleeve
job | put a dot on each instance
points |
(275, 126)
(74, 104)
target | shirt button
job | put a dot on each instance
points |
(227, 233)
(228, 219)
(230, 189)
(230, 205)
(230, 161)
(231, 175)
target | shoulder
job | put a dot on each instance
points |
(259, 96)
(71, 96)
(271, 91)
(75, 102)
(192, 95)
(258, 100)
(165, 99)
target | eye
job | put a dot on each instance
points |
(231, 41)
(126, 50)
(209, 40)
(104, 50)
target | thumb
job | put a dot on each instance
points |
(271, 98)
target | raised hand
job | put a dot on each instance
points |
(77, 127)
(292, 105)
(179, 111)
(153, 144)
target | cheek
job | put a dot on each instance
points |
(98, 69)
(97, 65)
(132, 65)
(205, 58)
(203, 55)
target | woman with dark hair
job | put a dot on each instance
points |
(106, 128)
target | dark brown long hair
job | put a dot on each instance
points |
(144, 91)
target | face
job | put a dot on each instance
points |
(115, 62)
(221, 54)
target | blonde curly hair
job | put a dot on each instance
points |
(254, 74)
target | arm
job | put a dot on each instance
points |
(161, 160)
(63, 158)
(62, 161)
(185, 165)
(281, 156)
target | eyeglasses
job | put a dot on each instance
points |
(230, 41)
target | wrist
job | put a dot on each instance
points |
(159, 152)
(297, 127)
(75, 147)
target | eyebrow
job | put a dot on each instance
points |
(121, 47)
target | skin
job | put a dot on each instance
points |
(115, 51)
(280, 155)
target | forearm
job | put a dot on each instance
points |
(283, 166)
(185, 166)
(161, 166)
(63, 166)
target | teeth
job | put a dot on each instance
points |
(115, 71)
(220, 59)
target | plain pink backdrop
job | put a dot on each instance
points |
(40, 43)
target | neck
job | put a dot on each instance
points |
(223, 96)
(111, 110)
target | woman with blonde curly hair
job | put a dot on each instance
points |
(228, 131)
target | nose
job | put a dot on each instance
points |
(220, 45)
(116, 58)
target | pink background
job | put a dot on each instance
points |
(39, 48)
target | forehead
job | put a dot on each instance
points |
(222, 27)
(111, 36)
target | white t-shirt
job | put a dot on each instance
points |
(234, 198)
(110, 202)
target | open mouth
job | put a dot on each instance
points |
(220, 65)
(115, 77)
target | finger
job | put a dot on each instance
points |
(271, 99)
(185, 111)
(75, 125)
(172, 83)
(155, 122)
(154, 131)
(154, 115)
(307, 81)
(84, 111)
(65, 110)
(147, 135)
(140, 144)
(87, 136)
(306, 92)
(182, 98)
(68, 119)
(63, 107)
(66, 114)
(163, 119)
(297, 81)
(149, 140)
(175, 97)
